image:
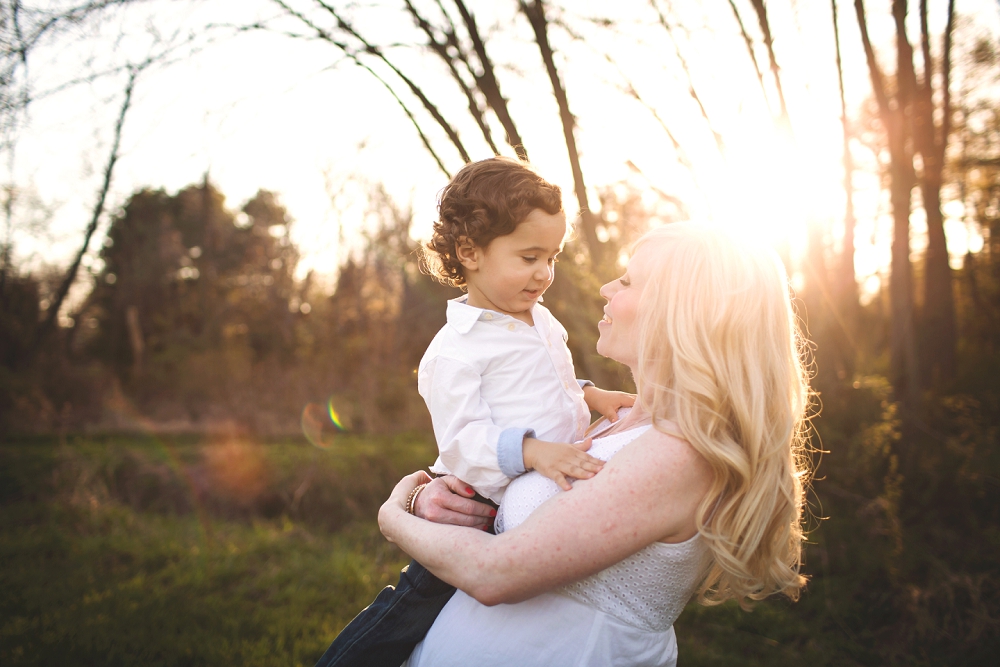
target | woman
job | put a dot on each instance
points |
(703, 490)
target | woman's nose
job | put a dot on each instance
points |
(606, 291)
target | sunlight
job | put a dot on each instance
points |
(766, 190)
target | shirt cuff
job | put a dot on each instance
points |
(585, 383)
(510, 450)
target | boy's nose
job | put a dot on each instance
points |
(545, 273)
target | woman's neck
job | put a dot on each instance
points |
(636, 417)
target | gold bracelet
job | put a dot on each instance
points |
(411, 500)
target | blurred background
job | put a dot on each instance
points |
(211, 311)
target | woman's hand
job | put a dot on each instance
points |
(395, 506)
(444, 500)
(449, 500)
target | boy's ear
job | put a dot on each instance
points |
(465, 251)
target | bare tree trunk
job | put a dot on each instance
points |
(846, 283)
(52, 314)
(844, 286)
(931, 141)
(535, 12)
(896, 117)
(137, 342)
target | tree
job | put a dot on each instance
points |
(183, 272)
(931, 141)
(895, 112)
(846, 283)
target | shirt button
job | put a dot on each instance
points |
(510, 327)
(489, 316)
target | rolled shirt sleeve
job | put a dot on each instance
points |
(510, 450)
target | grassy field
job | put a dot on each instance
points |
(150, 551)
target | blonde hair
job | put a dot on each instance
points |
(720, 355)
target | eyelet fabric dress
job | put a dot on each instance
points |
(621, 616)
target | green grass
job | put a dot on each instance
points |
(87, 578)
(145, 551)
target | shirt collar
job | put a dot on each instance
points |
(462, 316)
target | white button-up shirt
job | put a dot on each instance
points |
(486, 372)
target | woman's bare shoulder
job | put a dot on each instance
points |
(664, 456)
(665, 439)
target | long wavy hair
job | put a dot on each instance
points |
(721, 356)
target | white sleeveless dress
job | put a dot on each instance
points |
(621, 616)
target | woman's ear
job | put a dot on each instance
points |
(467, 253)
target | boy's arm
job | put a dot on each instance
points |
(471, 446)
(560, 461)
(607, 403)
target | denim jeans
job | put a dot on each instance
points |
(384, 633)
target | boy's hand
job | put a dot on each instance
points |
(607, 402)
(559, 460)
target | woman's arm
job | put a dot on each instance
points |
(648, 492)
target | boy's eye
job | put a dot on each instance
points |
(529, 260)
(625, 281)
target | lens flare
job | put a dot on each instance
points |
(321, 424)
(333, 416)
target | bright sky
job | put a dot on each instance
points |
(263, 110)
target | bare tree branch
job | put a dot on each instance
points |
(19, 37)
(52, 314)
(676, 201)
(377, 52)
(488, 83)
(353, 57)
(535, 13)
(765, 28)
(753, 56)
(441, 49)
(687, 72)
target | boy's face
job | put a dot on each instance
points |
(513, 271)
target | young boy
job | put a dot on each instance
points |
(498, 378)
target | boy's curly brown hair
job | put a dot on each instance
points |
(484, 200)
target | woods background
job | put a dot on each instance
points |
(153, 382)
